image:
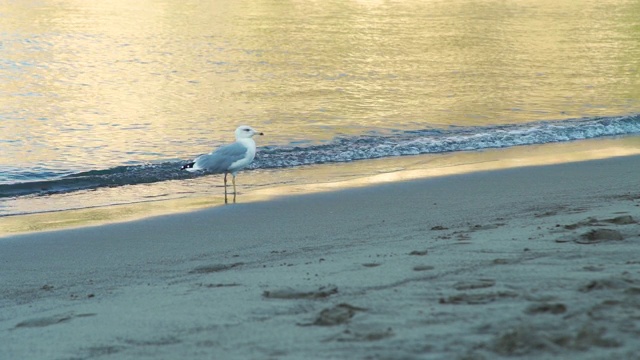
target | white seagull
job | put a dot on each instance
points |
(229, 158)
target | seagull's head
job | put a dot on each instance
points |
(245, 132)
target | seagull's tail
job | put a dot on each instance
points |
(188, 166)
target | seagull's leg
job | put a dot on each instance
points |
(233, 180)
(225, 187)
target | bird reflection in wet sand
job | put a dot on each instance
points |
(229, 158)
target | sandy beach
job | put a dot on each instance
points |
(536, 262)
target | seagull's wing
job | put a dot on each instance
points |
(220, 160)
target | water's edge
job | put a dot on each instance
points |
(98, 207)
(341, 150)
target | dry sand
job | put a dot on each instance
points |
(534, 263)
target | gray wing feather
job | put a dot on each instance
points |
(220, 160)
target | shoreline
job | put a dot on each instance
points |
(483, 265)
(149, 200)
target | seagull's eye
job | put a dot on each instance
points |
(247, 129)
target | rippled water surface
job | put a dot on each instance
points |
(125, 85)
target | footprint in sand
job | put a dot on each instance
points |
(423, 267)
(289, 293)
(419, 252)
(336, 315)
(370, 265)
(620, 282)
(206, 269)
(619, 220)
(363, 332)
(600, 235)
(474, 284)
(477, 299)
(546, 308)
(50, 320)
(535, 340)
(622, 220)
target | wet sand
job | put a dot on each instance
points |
(534, 262)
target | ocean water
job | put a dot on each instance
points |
(101, 102)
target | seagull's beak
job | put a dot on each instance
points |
(260, 133)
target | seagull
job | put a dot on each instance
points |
(229, 158)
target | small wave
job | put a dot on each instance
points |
(430, 141)
(426, 141)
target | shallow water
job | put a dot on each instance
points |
(136, 88)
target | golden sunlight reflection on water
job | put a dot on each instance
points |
(98, 84)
